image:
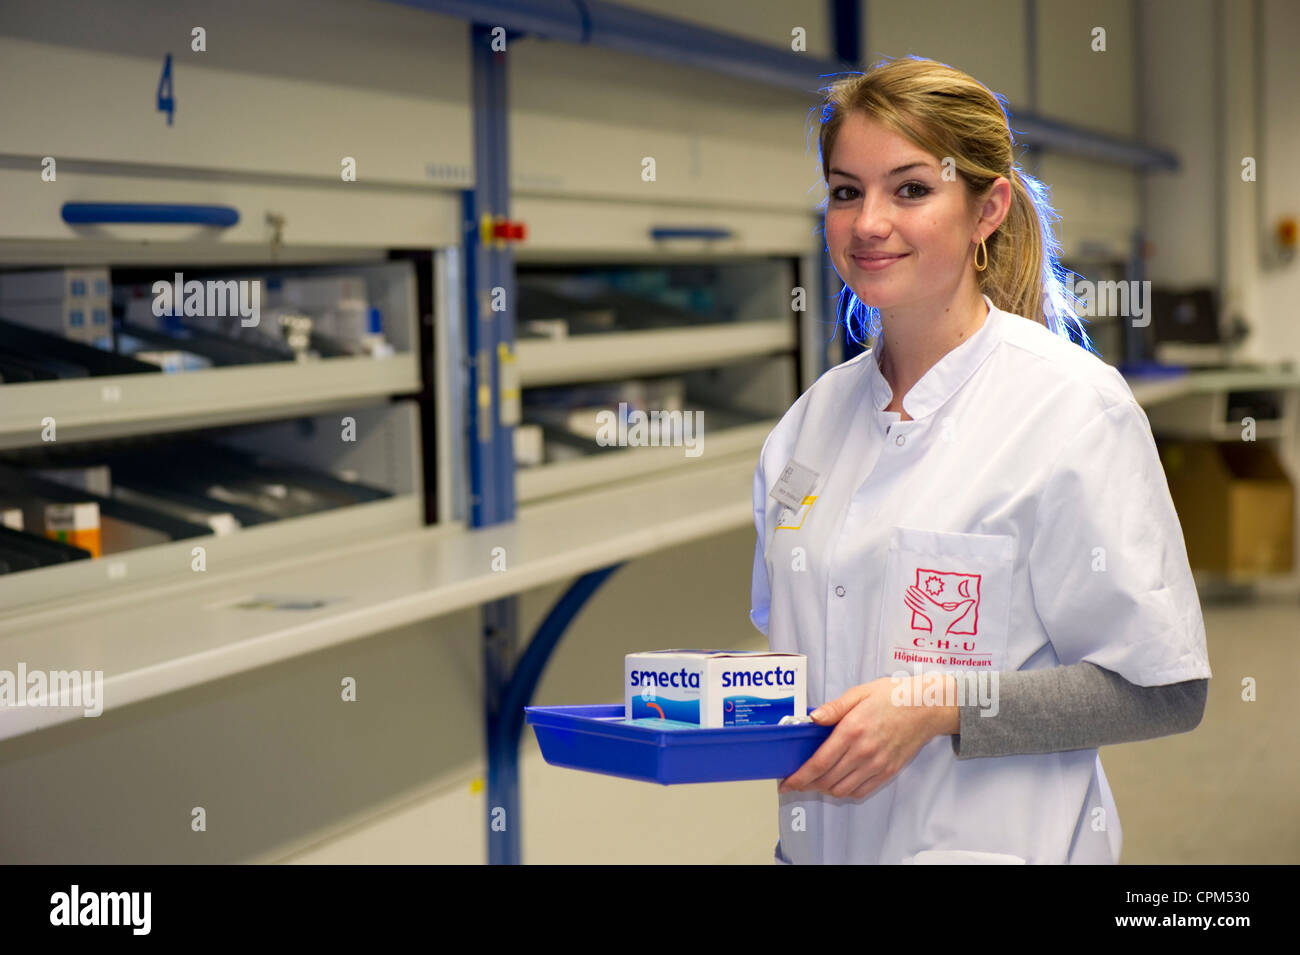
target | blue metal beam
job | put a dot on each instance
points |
(1054, 135)
(678, 41)
(489, 266)
(506, 700)
(644, 34)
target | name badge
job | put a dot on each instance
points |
(794, 484)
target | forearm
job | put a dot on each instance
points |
(1080, 706)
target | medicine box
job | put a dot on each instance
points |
(81, 320)
(75, 524)
(715, 688)
(318, 292)
(54, 285)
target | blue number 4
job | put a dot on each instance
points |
(166, 101)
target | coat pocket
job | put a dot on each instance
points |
(945, 602)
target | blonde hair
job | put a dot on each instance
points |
(949, 113)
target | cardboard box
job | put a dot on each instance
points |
(1236, 505)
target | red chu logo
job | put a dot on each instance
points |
(944, 603)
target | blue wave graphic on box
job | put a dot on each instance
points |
(686, 711)
(755, 710)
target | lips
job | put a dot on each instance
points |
(879, 262)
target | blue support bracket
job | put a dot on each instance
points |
(507, 693)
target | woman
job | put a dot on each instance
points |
(975, 501)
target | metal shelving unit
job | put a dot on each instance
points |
(244, 406)
(635, 353)
(723, 361)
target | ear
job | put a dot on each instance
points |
(994, 208)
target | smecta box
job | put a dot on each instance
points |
(715, 688)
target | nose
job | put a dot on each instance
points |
(872, 220)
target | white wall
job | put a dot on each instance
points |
(1209, 227)
(1276, 315)
(283, 87)
(763, 21)
(1098, 202)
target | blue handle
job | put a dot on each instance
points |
(680, 232)
(94, 213)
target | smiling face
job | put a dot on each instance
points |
(897, 233)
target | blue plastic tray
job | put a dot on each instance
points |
(596, 738)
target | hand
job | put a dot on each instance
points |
(941, 615)
(872, 741)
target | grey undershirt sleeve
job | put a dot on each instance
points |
(1079, 706)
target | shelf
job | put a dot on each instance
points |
(383, 457)
(152, 640)
(609, 467)
(1157, 389)
(118, 405)
(604, 356)
(111, 406)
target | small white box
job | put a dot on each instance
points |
(349, 321)
(553, 328)
(173, 362)
(529, 445)
(715, 688)
(72, 319)
(96, 479)
(99, 316)
(321, 292)
(46, 285)
(98, 284)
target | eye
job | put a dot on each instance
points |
(835, 193)
(925, 190)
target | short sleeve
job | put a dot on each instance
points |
(760, 597)
(1108, 564)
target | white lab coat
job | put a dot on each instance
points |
(1028, 489)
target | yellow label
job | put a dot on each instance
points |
(85, 539)
(791, 519)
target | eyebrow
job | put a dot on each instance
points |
(893, 172)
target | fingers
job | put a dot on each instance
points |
(838, 708)
(871, 784)
(819, 763)
(837, 765)
(846, 777)
(853, 778)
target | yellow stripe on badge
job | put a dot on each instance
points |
(791, 519)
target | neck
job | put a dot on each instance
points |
(913, 340)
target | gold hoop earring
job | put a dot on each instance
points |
(983, 248)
